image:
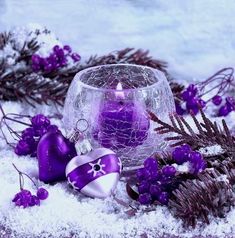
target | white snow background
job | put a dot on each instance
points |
(196, 37)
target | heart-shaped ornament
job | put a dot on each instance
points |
(54, 152)
(95, 174)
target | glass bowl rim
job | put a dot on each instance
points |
(161, 78)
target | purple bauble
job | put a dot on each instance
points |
(94, 174)
(121, 124)
(54, 152)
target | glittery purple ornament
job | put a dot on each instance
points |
(54, 152)
(96, 173)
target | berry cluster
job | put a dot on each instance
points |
(184, 153)
(227, 107)
(153, 181)
(57, 59)
(192, 101)
(25, 198)
(30, 137)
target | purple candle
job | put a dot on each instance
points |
(121, 122)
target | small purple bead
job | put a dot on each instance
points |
(22, 148)
(35, 59)
(28, 132)
(34, 201)
(143, 174)
(151, 164)
(155, 190)
(68, 48)
(230, 102)
(163, 198)
(180, 156)
(223, 111)
(187, 95)
(76, 57)
(42, 193)
(40, 120)
(179, 110)
(186, 148)
(145, 199)
(193, 89)
(56, 48)
(217, 100)
(60, 53)
(143, 187)
(169, 170)
(192, 105)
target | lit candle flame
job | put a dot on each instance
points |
(119, 93)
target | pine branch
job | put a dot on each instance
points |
(208, 132)
(32, 88)
(210, 194)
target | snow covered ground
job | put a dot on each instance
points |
(196, 37)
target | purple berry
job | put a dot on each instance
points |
(186, 148)
(22, 148)
(28, 132)
(22, 198)
(56, 48)
(155, 190)
(179, 110)
(180, 155)
(34, 201)
(169, 170)
(223, 111)
(145, 199)
(193, 89)
(217, 100)
(40, 120)
(151, 164)
(163, 198)
(143, 174)
(67, 48)
(192, 105)
(76, 57)
(197, 162)
(42, 193)
(187, 95)
(230, 102)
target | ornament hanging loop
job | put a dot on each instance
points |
(77, 136)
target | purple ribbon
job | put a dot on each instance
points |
(81, 176)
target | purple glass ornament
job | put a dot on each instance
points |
(54, 152)
(96, 173)
(120, 124)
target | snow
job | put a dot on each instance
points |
(196, 37)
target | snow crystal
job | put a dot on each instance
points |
(66, 212)
(211, 150)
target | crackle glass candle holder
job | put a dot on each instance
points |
(115, 101)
